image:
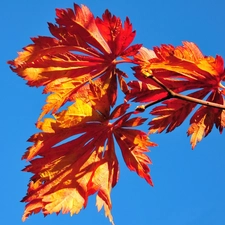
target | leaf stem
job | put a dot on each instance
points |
(127, 60)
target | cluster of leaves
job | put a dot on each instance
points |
(73, 156)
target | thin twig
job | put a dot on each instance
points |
(172, 94)
(141, 108)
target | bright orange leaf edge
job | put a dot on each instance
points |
(73, 156)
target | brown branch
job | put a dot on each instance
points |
(141, 108)
(172, 94)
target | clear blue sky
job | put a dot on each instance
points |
(189, 186)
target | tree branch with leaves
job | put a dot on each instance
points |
(73, 156)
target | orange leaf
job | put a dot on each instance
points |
(83, 48)
(204, 118)
(172, 113)
(76, 156)
(182, 68)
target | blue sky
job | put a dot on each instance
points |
(189, 186)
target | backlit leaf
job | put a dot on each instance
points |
(82, 48)
(74, 156)
(182, 68)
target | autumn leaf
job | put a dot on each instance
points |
(204, 118)
(180, 69)
(82, 48)
(74, 155)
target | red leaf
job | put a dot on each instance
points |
(83, 48)
(179, 69)
(76, 156)
(204, 118)
(172, 113)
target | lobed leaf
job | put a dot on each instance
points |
(82, 49)
(179, 69)
(205, 118)
(74, 155)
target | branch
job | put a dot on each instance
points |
(172, 94)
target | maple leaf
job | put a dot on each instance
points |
(82, 48)
(179, 69)
(204, 118)
(74, 155)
